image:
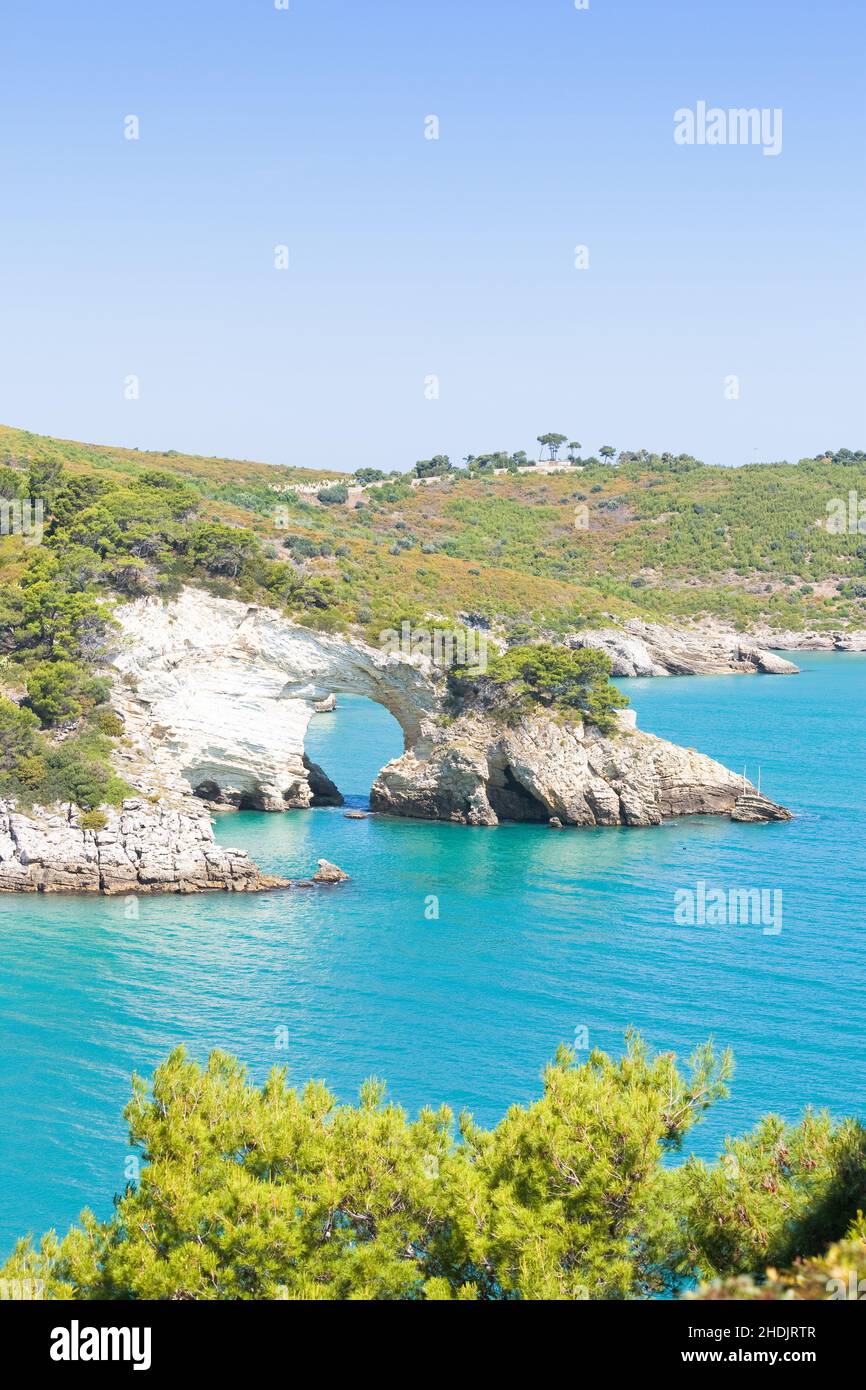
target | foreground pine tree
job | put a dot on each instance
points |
(268, 1193)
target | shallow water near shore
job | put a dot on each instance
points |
(539, 934)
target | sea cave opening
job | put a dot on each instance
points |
(510, 800)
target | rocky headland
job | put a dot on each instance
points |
(639, 648)
(215, 697)
(650, 649)
(480, 770)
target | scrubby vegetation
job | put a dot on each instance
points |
(266, 1192)
(525, 678)
(660, 536)
(33, 769)
(533, 552)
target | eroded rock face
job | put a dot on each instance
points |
(649, 649)
(852, 640)
(480, 772)
(751, 806)
(323, 791)
(217, 695)
(143, 849)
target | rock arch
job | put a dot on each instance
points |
(216, 696)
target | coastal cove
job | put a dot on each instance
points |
(539, 935)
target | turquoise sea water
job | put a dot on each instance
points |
(539, 933)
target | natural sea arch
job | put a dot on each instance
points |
(217, 696)
(351, 744)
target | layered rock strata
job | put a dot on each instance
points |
(649, 649)
(216, 696)
(141, 849)
(480, 771)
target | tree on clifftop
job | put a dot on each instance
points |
(572, 680)
(552, 442)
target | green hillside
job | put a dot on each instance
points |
(534, 552)
(655, 536)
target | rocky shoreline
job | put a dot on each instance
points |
(215, 697)
(480, 771)
(142, 849)
(640, 648)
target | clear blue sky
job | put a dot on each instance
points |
(412, 257)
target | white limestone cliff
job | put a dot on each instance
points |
(650, 649)
(141, 849)
(216, 696)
